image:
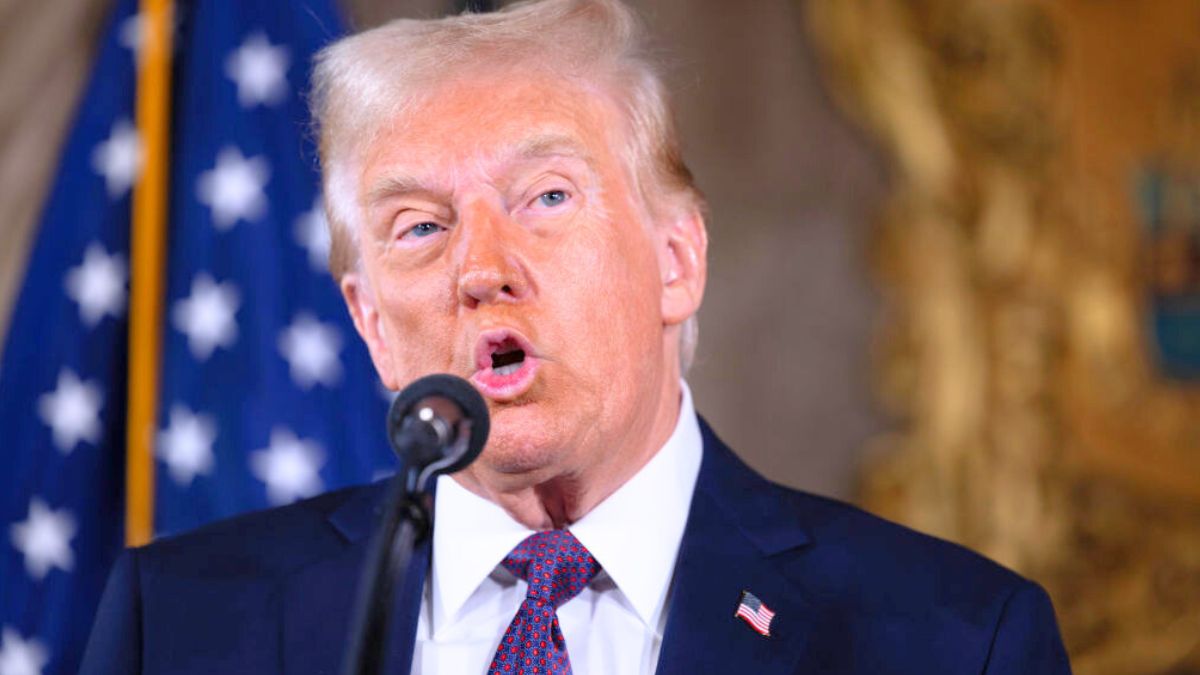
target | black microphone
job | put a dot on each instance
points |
(438, 424)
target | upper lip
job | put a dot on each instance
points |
(491, 339)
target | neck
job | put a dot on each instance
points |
(556, 497)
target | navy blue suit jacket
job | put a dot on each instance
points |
(272, 592)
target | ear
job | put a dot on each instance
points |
(360, 300)
(683, 261)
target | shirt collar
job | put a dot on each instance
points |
(471, 536)
(634, 534)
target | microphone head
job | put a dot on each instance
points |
(452, 405)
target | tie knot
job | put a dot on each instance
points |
(555, 565)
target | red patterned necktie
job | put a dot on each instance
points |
(557, 567)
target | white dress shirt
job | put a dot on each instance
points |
(615, 625)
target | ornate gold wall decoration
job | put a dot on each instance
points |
(1016, 350)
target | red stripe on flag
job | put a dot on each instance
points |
(760, 621)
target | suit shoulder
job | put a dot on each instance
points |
(888, 580)
(846, 548)
(895, 564)
(261, 542)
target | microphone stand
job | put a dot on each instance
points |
(404, 525)
(437, 425)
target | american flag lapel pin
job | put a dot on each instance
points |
(756, 614)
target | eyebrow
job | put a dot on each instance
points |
(395, 186)
(551, 145)
(535, 147)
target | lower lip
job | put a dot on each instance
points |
(506, 387)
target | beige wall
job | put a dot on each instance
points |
(45, 50)
(782, 371)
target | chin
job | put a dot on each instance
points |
(522, 441)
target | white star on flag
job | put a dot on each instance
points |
(132, 33)
(72, 411)
(206, 316)
(186, 445)
(98, 284)
(312, 233)
(259, 70)
(21, 657)
(45, 539)
(119, 158)
(233, 189)
(311, 349)
(289, 466)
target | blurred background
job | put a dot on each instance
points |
(955, 268)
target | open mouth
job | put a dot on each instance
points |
(505, 364)
(507, 358)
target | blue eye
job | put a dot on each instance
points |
(552, 198)
(424, 229)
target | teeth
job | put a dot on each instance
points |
(507, 370)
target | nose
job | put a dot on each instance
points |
(490, 268)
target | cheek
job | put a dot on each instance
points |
(615, 297)
(419, 331)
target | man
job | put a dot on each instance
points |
(508, 204)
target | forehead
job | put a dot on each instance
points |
(479, 123)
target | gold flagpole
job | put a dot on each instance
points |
(148, 246)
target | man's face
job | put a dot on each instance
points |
(502, 241)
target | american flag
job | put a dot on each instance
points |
(757, 615)
(265, 393)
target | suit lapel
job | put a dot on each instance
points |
(737, 538)
(321, 596)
